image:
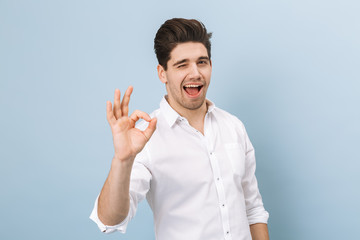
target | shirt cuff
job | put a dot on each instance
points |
(121, 227)
(257, 215)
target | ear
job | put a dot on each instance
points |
(161, 74)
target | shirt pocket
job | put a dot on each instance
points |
(236, 156)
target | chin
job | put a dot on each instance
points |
(194, 105)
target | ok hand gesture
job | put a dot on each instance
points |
(128, 140)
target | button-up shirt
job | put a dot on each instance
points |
(198, 186)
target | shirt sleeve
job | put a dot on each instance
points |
(139, 186)
(255, 210)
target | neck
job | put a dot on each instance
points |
(195, 117)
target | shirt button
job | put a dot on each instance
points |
(227, 232)
(218, 179)
(223, 205)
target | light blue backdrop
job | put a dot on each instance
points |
(288, 69)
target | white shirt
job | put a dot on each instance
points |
(198, 186)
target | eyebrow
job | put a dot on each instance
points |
(186, 60)
(204, 58)
(180, 62)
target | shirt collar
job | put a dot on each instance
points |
(171, 115)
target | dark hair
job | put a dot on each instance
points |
(179, 30)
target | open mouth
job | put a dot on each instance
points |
(193, 89)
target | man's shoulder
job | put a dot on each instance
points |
(232, 126)
(227, 116)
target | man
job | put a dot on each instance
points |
(197, 169)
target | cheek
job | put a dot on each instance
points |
(207, 75)
(175, 79)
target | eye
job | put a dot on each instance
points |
(202, 62)
(181, 66)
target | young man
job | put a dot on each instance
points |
(197, 169)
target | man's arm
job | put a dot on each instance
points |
(259, 231)
(114, 200)
(257, 215)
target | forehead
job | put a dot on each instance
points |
(188, 50)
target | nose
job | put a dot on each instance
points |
(194, 72)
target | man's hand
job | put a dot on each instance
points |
(114, 200)
(128, 140)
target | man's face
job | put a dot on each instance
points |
(187, 77)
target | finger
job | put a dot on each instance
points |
(117, 110)
(125, 102)
(148, 132)
(109, 113)
(137, 114)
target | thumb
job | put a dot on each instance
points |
(150, 129)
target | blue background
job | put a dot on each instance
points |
(290, 70)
